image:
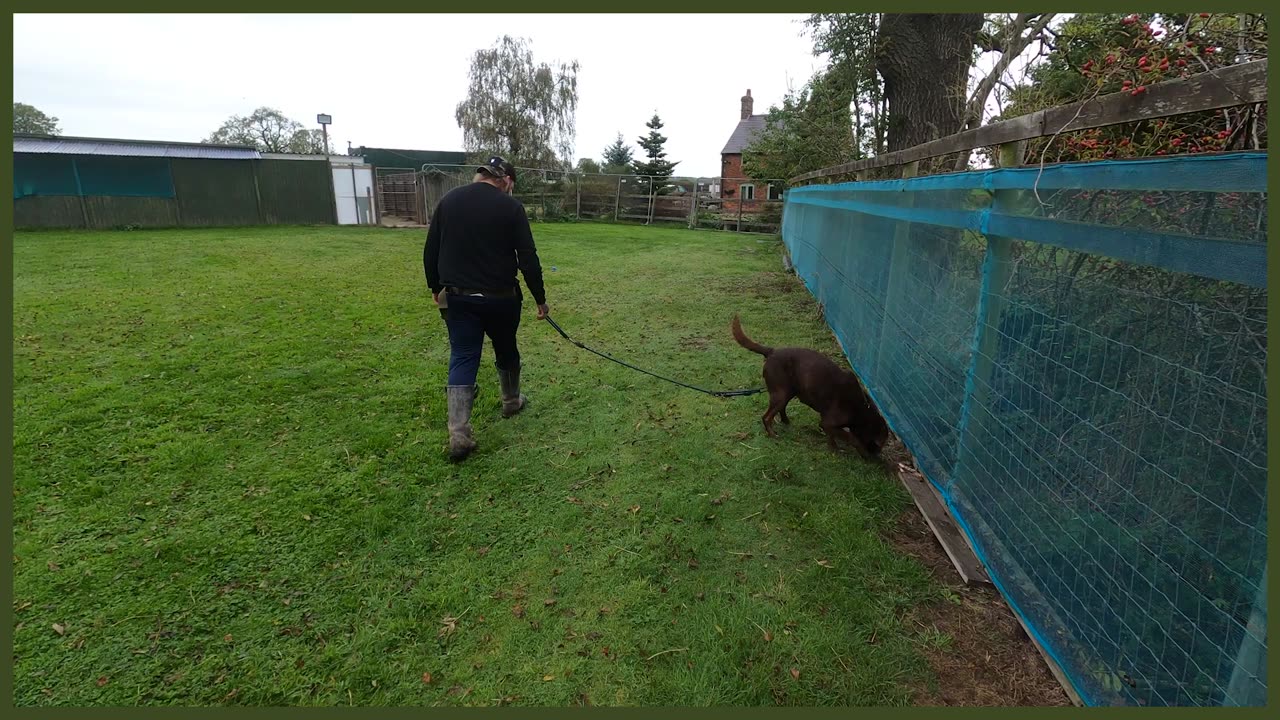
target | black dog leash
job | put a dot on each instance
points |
(714, 393)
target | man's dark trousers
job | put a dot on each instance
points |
(469, 319)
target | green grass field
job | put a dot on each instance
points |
(231, 485)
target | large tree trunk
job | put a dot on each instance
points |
(925, 61)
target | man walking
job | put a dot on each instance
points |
(479, 237)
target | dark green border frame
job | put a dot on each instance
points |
(555, 6)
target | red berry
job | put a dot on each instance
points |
(1124, 142)
(1142, 60)
(1204, 15)
(1210, 51)
(1182, 62)
(1111, 59)
(1159, 152)
(1127, 83)
(1175, 142)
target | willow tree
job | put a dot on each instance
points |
(519, 108)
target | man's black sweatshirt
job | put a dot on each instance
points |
(479, 237)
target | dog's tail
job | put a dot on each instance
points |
(747, 342)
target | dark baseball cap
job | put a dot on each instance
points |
(497, 167)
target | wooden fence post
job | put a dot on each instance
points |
(898, 261)
(996, 272)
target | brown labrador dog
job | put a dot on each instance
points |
(834, 393)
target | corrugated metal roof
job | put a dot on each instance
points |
(132, 148)
(744, 134)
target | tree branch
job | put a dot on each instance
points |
(1013, 48)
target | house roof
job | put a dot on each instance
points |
(57, 145)
(744, 134)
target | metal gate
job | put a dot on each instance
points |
(399, 195)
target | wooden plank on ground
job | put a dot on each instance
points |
(944, 528)
(1012, 575)
(926, 496)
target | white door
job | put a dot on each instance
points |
(353, 193)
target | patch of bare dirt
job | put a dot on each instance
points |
(990, 661)
(695, 342)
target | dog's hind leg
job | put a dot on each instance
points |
(782, 415)
(777, 404)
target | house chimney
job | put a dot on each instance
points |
(747, 104)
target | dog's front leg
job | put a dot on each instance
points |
(857, 445)
(831, 432)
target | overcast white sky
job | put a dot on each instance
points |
(394, 80)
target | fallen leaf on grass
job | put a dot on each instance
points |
(824, 563)
(448, 625)
(226, 638)
(426, 678)
(795, 673)
(102, 681)
(633, 509)
(548, 678)
(549, 602)
(60, 629)
(518, 611)
(306, 517)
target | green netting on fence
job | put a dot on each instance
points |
(1076, 358)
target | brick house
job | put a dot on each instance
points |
(735, 187)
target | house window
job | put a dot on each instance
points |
(748, 192)
(775, 192)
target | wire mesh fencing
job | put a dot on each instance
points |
(1076, 358)
(710, 203)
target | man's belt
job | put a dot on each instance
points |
(505, 293)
